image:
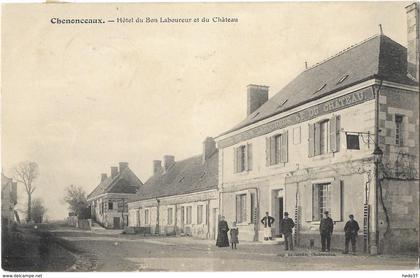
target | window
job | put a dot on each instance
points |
(170, 216)
(189, 215)
(321, 197)
(120, 206)
(277, 149)
(323, 131)
(199, 214)
(241, 208)
(399, 130)
(324, 136)
(146, 217)
(110, 205)
(242, 158)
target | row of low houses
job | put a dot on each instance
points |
(340, 137)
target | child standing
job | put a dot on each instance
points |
(234, 232)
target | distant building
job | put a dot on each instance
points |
(181, 197)
(309, 149)
(8, 200)
(108, 201)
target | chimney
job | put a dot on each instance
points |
(114, 171)
(157, 167)
(257, 96)
(168, 161)
(104, 176)
(123, 165)
(209, 147)
(413, 40)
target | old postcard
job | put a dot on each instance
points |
(280, 136)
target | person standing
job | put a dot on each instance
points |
(286, 228)
(267, 221)
(234, 233)
(222, 237)
(351, 229)
(326, 227)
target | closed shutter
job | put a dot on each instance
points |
(317, 139)
(248, 208)
(336, 200)
(308, 204)
(235, 160)
(311, 140)
(249, 157)
(333, 134)
(284, 147)
(337, 132)
(267, 151)
(238, 208)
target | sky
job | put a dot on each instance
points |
(78, 99)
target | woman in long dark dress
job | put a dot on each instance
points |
(222, 237)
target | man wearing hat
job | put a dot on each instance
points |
(267, 221)
(286, 228)
(351, 229)
(326, 227)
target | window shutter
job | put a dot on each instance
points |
(337, 132)
(267, 151)
(249, 157)
(235, 160)
(248, 208)
(317, 139)
(311, 140)
(333, 134)
(238, 207)
(284, 146)
(308, 204)
(336, 198)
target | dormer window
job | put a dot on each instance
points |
(320, 88)
(342, 79)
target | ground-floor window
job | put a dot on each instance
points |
(146, 217)
(170, 216)
(189, 215)
(321, 200)
(241, 208)
(199, 214)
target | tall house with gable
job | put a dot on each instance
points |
(311, 148)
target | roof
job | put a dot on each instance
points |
(185, 176)
(124, 182)
(377, 57)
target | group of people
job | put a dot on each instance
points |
(326, 227)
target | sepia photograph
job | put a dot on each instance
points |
(209, 137)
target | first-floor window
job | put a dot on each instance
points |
(241, 208)
(146, 217)
(170, 216)
(321, 200)
(110, 205)
(199, 214)
(189, 215)
(399, 130)
(323, 143)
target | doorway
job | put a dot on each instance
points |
(278, 209)
(116, 222)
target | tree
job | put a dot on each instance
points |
(38, 210)
(75, 197)
(26, 172)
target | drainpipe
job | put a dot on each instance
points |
(375, 231)
(157, 217)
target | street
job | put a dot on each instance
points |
(109, 251)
